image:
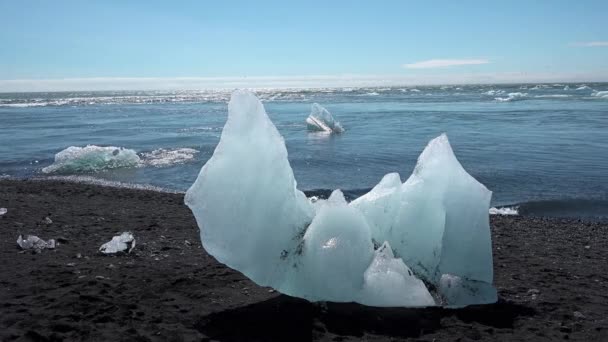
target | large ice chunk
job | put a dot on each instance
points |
(245, 199)
(321, 120)
(92, 158)
(437, 221)
(377, 250)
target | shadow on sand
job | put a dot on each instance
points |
(285, 318)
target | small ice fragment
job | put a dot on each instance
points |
(119, 243)
(3, 211)
(321, 120)
(47, 220)
(34, 243)
(504, 211)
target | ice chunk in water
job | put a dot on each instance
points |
(254, 219)
(321, 120)
(92, 159)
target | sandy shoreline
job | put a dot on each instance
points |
(551, 275)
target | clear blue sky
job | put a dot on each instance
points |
(415, 40)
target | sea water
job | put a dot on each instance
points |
(540, 147)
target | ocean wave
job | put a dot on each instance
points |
(512, 97)
(505, 211)
(583, 87)
(494, 92)
(557, 96)
(24, 105)
(166, 157)
(93, 158)
(108, 183)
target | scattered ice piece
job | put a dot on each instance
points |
(3, 211)
(578, 314)
(584, 87)
(47, 220)
(34, 243)
(253, 218)
(92, 159)
(504, 211)
(566, 88)
(124, 242)
(321, 120)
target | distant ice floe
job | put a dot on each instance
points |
(378, 250)
(93, 158)
(321, 120)
(508, 211)
(512, 97)
(602, 94)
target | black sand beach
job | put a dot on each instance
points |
(551, 275)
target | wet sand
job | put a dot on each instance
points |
(551, 276)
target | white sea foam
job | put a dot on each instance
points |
(108, 183)
(504, 211)
(512, 97)
(494, 92)
(166, 157)
(552, 96)
(584, 87)
(24, 105)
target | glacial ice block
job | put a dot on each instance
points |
(321, 120)
(381, 249)
(245, 199)
(92, 158)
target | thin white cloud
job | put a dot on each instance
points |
(592, 44)
(443, 63)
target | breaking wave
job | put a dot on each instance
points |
(512, 97)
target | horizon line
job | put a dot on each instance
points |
(286, 82)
